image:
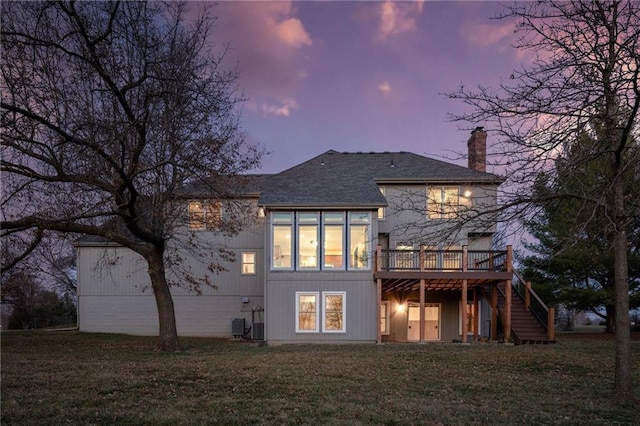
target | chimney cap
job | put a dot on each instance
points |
(478, 129)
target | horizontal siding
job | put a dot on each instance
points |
(195, 315)
(360, 315)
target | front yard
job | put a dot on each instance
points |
(71, 378)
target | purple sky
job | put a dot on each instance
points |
(361, 76)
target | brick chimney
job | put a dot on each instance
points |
(477, 146)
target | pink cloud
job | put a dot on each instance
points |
(398, 17)
(385, 88)
(485, 35)
(267, 41)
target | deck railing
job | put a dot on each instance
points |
(442, 260)
(544, 314)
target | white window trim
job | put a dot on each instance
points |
(242, 263)
(387, 308)
(307, 293)
(298, 227)
(344, 310)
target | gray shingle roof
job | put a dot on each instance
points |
(351, 179)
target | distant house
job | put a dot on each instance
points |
(337, 253)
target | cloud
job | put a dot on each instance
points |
(267, 42)
(385, 88)
(398, 18)
(485, 35)
(282, 110)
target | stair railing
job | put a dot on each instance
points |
(533, 303)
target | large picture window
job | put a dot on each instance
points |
(307, 312)
(320, 240)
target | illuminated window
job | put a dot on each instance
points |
(381, 210)
(307, 312)
(445, 202)
(248, 263)
(282, 243)
(384, 317)
(359, 240)
(308, 240)
(205, 215)
(333, 312)
(333, 233)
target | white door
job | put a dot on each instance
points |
(431, 322)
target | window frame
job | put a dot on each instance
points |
(382, 213)
(343, 311)
(442, 209)
(355, 223)
(285, 223)
(316, 295)
(243, 263)
(209, 207)
(385, 306)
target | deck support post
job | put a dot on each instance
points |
(551, 317)
(463, 311)
(422, 298)
(379, 293)
(476, 306)
(494, 312)
(507, 297)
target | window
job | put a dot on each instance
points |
(359, 240)
(205, 215)
(306, 312)
(282, 247)
(308, 240)
(443, 202)
(384, 317)
(320, 240)
(381, 210)
(248, 263)
(333, 256)
(333, 312)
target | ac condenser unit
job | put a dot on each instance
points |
(237, 327)
(257, 331)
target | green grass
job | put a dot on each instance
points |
(72, 378)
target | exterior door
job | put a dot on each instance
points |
(431, 322)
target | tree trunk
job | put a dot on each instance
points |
(623, 392)
(166, 316)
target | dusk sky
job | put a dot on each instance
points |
(361, 76)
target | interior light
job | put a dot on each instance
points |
(400, 307)
(467, 193)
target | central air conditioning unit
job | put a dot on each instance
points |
(237, 327)
(257, 331)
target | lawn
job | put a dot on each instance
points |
(72, 378)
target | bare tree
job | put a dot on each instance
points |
(108, 110)
(586, 67)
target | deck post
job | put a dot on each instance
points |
(527, 295)
(465, 259)
(463, 311)
(551, 324)
(507, 296)
(476, 306)
(494, 312)
(422, 297)
(379, 293)
(378, 258)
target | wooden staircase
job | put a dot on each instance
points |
(525, 327)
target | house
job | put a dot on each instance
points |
(345, 247)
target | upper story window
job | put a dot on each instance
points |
(446, 202)
(320, 240)
(205, 215)
(282, 247)
(248, 263)
(381, 210)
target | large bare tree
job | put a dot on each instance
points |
(586, 69)
(108, 110)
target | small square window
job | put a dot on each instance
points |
(205, 215)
